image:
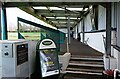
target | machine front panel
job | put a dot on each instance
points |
(22, 53)
(7, 50)
(0, 61)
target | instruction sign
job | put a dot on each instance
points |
(48, 58)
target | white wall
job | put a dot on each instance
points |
(96, 40)
(32, 55)
(116, 20)
(87, 23)
(77, 29)
(116, 54)
(0, 61)
(80, 27)
(110, 63)
(101, 17)
(118, 24)
(114, 17)
(64, 30)
(75, 32)
(113, 38)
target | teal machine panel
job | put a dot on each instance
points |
(47, 60)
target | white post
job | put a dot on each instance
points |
(68, 37)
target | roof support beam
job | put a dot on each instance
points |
(59, 14)
(63, 20)
(75, 12)
(62, 27)
(32, 12)
(57, 11)
(19, 4)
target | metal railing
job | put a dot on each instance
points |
(104, 41)
(116, 74)
(86, 41)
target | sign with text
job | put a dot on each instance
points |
(48, 58)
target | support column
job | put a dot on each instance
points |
(83, 31)
(68, 29)
(4, 24)
(0, 18)
(108, 29)
(68, 40)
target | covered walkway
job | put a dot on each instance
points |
(85, 62)
(85, 19)
(79, 48)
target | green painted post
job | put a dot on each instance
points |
(0, 18)
(4, 24)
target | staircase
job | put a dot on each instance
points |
(85, 67)
(85, 62)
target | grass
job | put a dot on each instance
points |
(26, 35)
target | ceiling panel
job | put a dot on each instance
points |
(51, 11)
(59, 14)
(57, 11)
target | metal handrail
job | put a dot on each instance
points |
(116, 73)
(86, 41)
(116, 47)
(104, 41)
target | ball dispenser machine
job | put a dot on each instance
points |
(47, 60)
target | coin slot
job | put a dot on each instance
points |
(6, 54)
(6, 46)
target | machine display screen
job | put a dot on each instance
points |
(48, 60)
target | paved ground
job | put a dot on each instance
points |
(78, 48)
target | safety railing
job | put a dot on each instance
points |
(104, 41)
(116, 47)
(116, 74)
(86, 41)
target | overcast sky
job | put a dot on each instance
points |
(13, 13)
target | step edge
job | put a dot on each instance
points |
(89, 70)
(84, 62)
(86, 59)
(83, 73)
(86, 65)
